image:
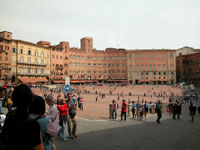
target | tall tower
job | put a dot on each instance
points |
(87, 44)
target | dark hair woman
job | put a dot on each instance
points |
(20, 132)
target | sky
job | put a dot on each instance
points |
(129, 24)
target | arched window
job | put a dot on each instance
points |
(21, 59)
(42, 61)
(36, 61)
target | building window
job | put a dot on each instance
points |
(154, 66)
(36, 61)
(146, 67)
(171, 66)
(21, 51)
(42, 71)
(171, 55)
(36, 71)
(47, 55)
(21, 59)
(129, 56)
(42, 54)
(29, 60)
(21, 70)
(164, 67)
(29, 70)
(159, 67)
(42, 62)
(142, 67)
(14, 50)
(36, 53)
(154, 73)
(29, 52)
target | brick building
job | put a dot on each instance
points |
(188, 68)
(151, 66)
(5, 57)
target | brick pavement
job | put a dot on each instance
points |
(138, 135)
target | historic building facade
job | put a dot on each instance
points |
(59, 59)
(5, 57)
(43, 62)
(30, 62)
(186, 51)
(188, 68)
(91, 65)
(151, 66)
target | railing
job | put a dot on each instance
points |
(30, 64)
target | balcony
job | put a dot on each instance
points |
(29, 64)
(31, 75)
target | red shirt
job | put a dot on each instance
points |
(62, 109)
(124, 107)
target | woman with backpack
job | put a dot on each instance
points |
(36, 112)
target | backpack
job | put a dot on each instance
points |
(117, 106)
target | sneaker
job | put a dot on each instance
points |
(65, 139)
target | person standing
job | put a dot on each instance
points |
(146, 110)
(124, 110)
(158, 111)
(133, 109)
(192, 109)
(179, 109)
(138, 109)
(72, 113)
(47, 129)
(114, 109)
(63, 117)
(1, 98)
(52, 114)
(81, 103)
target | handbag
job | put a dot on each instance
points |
(72, 113)
(51, 129)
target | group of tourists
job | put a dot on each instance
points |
(139, 110)
(29, 126)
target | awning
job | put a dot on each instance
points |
(32, 80)
(80, 81)
(115, 80)
(58, 81)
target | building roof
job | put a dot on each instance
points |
(29, 43)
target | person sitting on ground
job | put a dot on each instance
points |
(19, 132)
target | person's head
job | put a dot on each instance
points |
(49, 99)
(123, 100)
(138, 102)
(69, 96)
(22, 97)
(37, 106)
(145, 102)
(113, 101)
(62, 101)
(133, 102)
(1, 91)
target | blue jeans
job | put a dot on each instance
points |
(1, 107)
(62, 132)
(114, 111)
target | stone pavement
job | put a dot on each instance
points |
(138, 135)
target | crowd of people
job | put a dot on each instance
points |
(30, 125)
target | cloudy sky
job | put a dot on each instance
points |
(130, 24)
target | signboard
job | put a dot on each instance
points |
(67, 80)
(67, 88)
